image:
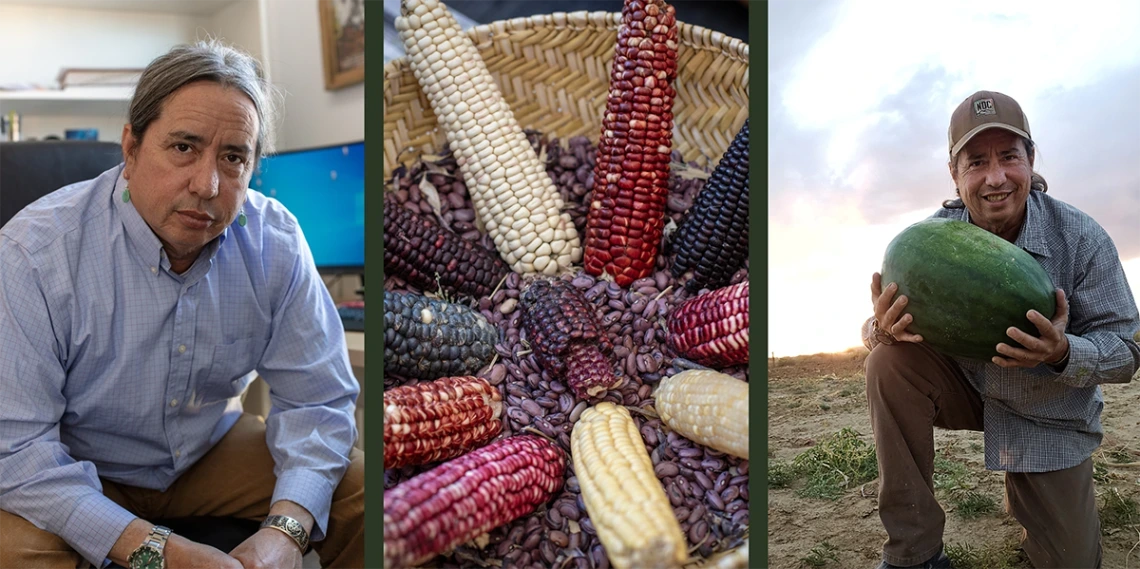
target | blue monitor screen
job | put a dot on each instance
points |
(324, 189)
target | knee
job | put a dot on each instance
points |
(349, 493)
(885, 361)
(22, 544)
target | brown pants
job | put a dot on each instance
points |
(911, 389)
(209, 488)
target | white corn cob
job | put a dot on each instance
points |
(707, 407)
(624, 498)
(733, 559)
(514, 197)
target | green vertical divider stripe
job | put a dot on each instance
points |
(374, 273)
(758, 278)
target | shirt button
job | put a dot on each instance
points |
(177, 454)
(182, 349)
(154, 270)
(174, 402)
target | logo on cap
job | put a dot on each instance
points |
(984, 107)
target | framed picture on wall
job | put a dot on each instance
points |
(342, 42)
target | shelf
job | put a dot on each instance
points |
(74, 101)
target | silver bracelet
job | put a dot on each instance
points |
(289, 527)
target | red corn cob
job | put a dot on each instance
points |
(419, 251)
(712, 329)
(439, 420)
(631, 177)
(562, 329)
(468, 496)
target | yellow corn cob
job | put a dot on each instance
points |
(623, 497)
(708, 407)
(514, 197)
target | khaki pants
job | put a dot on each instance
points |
(210, 488)
(911, 389)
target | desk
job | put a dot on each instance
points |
(256, 397)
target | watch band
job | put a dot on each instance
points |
(290, 527)
(151, 553)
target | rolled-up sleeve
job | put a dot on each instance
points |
(311, 426)
(1103, 322)
(39, 481)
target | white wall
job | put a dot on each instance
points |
(37, 42)
(238, 25)
(312, 116)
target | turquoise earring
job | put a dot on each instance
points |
(241, 218)
(127, 194)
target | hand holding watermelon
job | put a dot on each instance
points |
(1052, 347)
(889, 315)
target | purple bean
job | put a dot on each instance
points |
(559, 538)
(666, 470)
(703, 479)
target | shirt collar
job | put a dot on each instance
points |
(1032, 235)
(148, 245)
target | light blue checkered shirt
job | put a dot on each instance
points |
(113, 366)
(1037, 420)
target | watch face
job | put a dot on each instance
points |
(146, 558)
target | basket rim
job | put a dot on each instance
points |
(694, 36)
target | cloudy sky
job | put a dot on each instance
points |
(860, 96)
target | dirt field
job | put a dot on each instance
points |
(813, 397)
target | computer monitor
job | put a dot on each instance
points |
(324, 188)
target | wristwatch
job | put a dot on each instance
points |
(290, 527)
(150, 555)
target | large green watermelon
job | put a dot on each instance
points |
(966, 286)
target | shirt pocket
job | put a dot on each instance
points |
(232, 368)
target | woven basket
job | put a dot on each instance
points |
(554, 73)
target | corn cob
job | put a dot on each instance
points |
(439, 420)
(631, 176)
(732, 559)
(516, 200)
(707, 407)
(562, 329)
(625, 501)
(712, 329)
(428, 339)
(469, 496)
(712, 239)
(419, 251)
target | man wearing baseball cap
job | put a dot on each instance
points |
(1039, 407)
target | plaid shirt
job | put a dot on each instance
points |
(1039, 420)
(113, 366)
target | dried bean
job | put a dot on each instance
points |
(730, 494)
(690, 453)
(554, 517)
(698, 532)
(599, 558)
(559, 538)
(531, 541)
(546, 402)
(714, 500)
(712, 464)
(721, 482)
(697, 513)
(569, 511)
(666, 470)
(577, 411)
(703, 479)
(547, 552)
(740, 518)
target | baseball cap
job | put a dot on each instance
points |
(982, 110)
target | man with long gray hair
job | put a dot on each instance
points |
(135, 308)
